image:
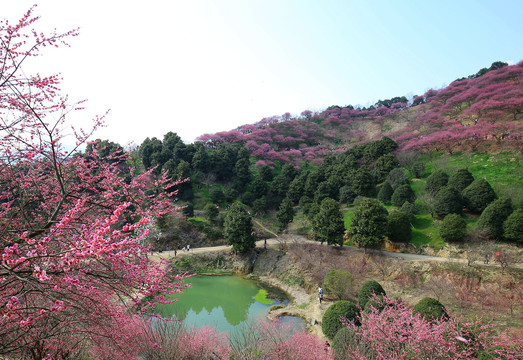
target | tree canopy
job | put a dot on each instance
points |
(237, 228)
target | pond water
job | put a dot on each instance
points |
(226, 303)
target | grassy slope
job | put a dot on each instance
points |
(503, 171)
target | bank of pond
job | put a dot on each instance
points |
(228, 303)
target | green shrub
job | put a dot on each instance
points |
(384, 165)
(418, 170)
(211, 211)
(397, 177)
(188, 210)
(347, 195)
(401, 194)
(343, 337)
(338, 282)
(385, 193)
(431, 309)
(409, 209)
(399, 226)
(447, 201)
(367, 290)
(478, 195)
(376, 303)
(436, 181)
(331, 321)
(493, 216)
(453, 228)
(513, 226)
(460, 179)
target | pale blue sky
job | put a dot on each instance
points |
(204, 66)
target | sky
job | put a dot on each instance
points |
(202, 66)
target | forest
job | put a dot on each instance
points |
(421, 175)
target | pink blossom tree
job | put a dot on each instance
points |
(72, 227)
(392, 331)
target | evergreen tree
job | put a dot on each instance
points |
(436, 181)
(266, 173)
(453, 228)
(201, 160)
(237, 228)
(513, 226)
(285, 213)
(367, 290)
(493, 217)
(242, 172)
(347, 196)
(401, 194)
(461, 179)
(328, 224)
(259, 187)
(478, 195)
(384, 165)
(409, 209)
(211, 211)
(385, 193)
(399, 228)
(397, 177)
(431, 309)
(369, 223)
(363, 182)
(448, 201)
(297, 187)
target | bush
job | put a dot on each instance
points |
(460, 179)
(217, 195)
(493, 216)
(259, 205)
(431, 309)
(340, 341)
(338, 282)
(397, 177)
(367, 290)
(369, 223)
(384, 165)
(436, 181)
(453, 228)
(188, 211)
(211, 211)
(347, 195)
(401, 194)
(513, 226)
(376, 302)
(399, 226)
(331, 322)
(418, 170)
(409, 209)
(448, 201)
(478, 195)
(385, 193)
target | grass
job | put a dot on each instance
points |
(304, 306)
(261, 297)
(503, 170)
(347, 217)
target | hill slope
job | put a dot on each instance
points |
(482, 112)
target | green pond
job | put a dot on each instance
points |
(226, 303)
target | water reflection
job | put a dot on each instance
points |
(224, 302)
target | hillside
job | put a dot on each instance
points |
(481, 112)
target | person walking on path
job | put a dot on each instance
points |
(320, 294)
